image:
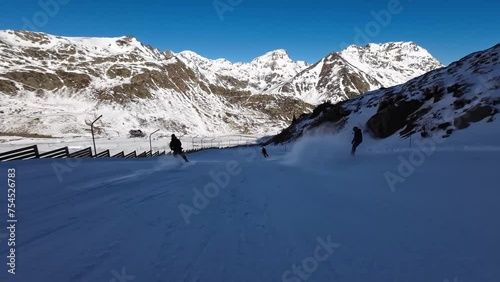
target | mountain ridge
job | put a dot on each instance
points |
(377, 65)
(170, 90)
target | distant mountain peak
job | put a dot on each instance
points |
(397, 45)
(391, 63)
(190, 54)
(275, 55)
(358, 69)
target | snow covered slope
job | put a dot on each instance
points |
(435, 104)
(309, 213)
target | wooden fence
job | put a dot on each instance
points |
(32, 152)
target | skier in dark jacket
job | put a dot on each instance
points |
(176, 147)
(264, 152)
(358, 139)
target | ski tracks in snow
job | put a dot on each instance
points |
(266, 220)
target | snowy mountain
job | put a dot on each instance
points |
(52, 85)
(436, 104)
(332, 78)
(391, 63)
(338, 76)
(359, 69)
(261, 75)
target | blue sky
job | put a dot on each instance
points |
(240, 30)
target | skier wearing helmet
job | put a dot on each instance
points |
(176, 147)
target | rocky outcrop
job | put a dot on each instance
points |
(74, 81)
(34, 80)
(475, 114)
(127, 92)
(118, 71)
(392, 118)
(9, 87)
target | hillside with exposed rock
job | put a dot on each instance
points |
(437, 104)
(55, 86)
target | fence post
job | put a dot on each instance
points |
(150, 143)
(92, 129)
(36, 151)
(202, 146)
(192, 141)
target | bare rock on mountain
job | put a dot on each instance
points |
(7, 86)
(392, 118)
(474, 114)
(74, 81)
(34, 80)
(118, 71)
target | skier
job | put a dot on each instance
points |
(264, 152)
(358, 139)
(176, 147)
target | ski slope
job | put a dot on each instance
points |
(309, 212)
